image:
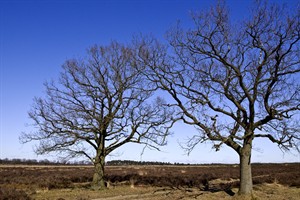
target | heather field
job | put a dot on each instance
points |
(271, 181)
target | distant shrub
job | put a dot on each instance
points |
(292, 179)
(56, 183)
(263, 179)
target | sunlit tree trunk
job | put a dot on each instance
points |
(98, 177)
(246, 185)
(99, 163)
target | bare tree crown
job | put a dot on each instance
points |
(234, 82)
(99, 103)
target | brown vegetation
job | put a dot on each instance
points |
(26, 182)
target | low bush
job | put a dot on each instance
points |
(7, 193)
(56, 183)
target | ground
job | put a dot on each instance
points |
(28, 182)
(264, 191)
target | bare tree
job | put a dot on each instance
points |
(233, 81)
(99, 104)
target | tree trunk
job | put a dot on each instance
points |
(98, 178)
(246, 185)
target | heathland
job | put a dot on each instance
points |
(64, 182)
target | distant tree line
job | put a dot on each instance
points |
(131, 162)
(16, 161)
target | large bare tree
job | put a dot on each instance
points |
(100, 103)
(233, 81)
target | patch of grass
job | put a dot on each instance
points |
(87, 194)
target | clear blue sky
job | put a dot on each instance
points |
(37, 36)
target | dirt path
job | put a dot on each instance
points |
(146, 196)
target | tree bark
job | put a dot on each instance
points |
(246, 185)
(98, 177)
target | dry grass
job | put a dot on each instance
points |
(85, 194)
(265, 191)
(276, 192)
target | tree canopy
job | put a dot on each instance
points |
(100, 103)
(233, 81)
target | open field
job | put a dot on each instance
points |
(272, 181)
